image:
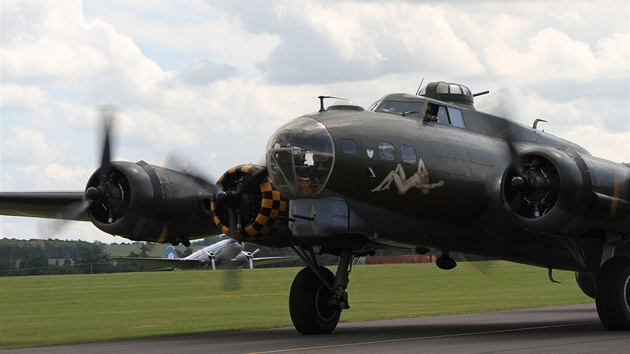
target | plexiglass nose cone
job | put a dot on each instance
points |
(300, 158)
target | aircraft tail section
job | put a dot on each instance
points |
(171, 253)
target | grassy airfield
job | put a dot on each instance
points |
(64, 309)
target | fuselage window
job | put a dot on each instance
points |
(386, 150)
(349, 146)
(408, 154)
(456, 117)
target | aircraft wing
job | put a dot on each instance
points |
(269, 260)
(50, 205)
(161, 262)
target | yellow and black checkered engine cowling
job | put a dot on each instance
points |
(257, 210)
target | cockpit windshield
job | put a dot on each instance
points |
(399, 107)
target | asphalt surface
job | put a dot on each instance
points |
(574, 329)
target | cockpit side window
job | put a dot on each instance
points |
(444, 115)
(457, 119)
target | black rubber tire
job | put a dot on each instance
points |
(612, 294)
(308, 303)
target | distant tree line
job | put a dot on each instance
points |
(33, 257)
(41, 257)
(45, 257)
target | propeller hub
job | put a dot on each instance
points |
(227, 198)
(95, 193)
(540, 186)
(114, 194)
(533, 185)
(519, 184)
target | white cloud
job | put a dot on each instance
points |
(27, 145)
(193, 26)
(359, 41)
(552, 55)
(205, 71)
(22, 97)
(45, 41)
(611, 146)
(70, 176)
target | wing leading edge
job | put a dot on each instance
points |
(50, 205)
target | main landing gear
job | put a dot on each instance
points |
(317, 297)
(612, 293)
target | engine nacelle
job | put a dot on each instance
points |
(257, 211)
(559, 192)
(150, 203)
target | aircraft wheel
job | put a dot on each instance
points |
(612, 294)
(309, 305)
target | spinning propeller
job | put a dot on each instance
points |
(250, 258)
(533, 183)
(112, 191)
(101, 193)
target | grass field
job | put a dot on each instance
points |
(54, 310)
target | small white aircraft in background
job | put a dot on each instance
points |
(224, 253)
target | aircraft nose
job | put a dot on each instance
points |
(300, 157)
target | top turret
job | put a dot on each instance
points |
(448, 92)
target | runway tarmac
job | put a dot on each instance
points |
(574, 329)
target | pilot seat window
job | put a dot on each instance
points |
(349, 146)
(386, 150)
(408, 154)
(445, 115)
(442, 116)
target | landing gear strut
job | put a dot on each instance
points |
(612, 294)
(317, 297)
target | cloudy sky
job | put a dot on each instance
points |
(212, 80)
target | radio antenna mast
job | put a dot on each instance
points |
(419, 87)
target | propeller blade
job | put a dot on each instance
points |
(50, 228)
(107, 115)
(516, 159)
(175, 161)
(231, 222)
(231, 281)
(479, 268)
(251, 180)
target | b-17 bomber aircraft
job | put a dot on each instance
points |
(227, 253)
(414, 171)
